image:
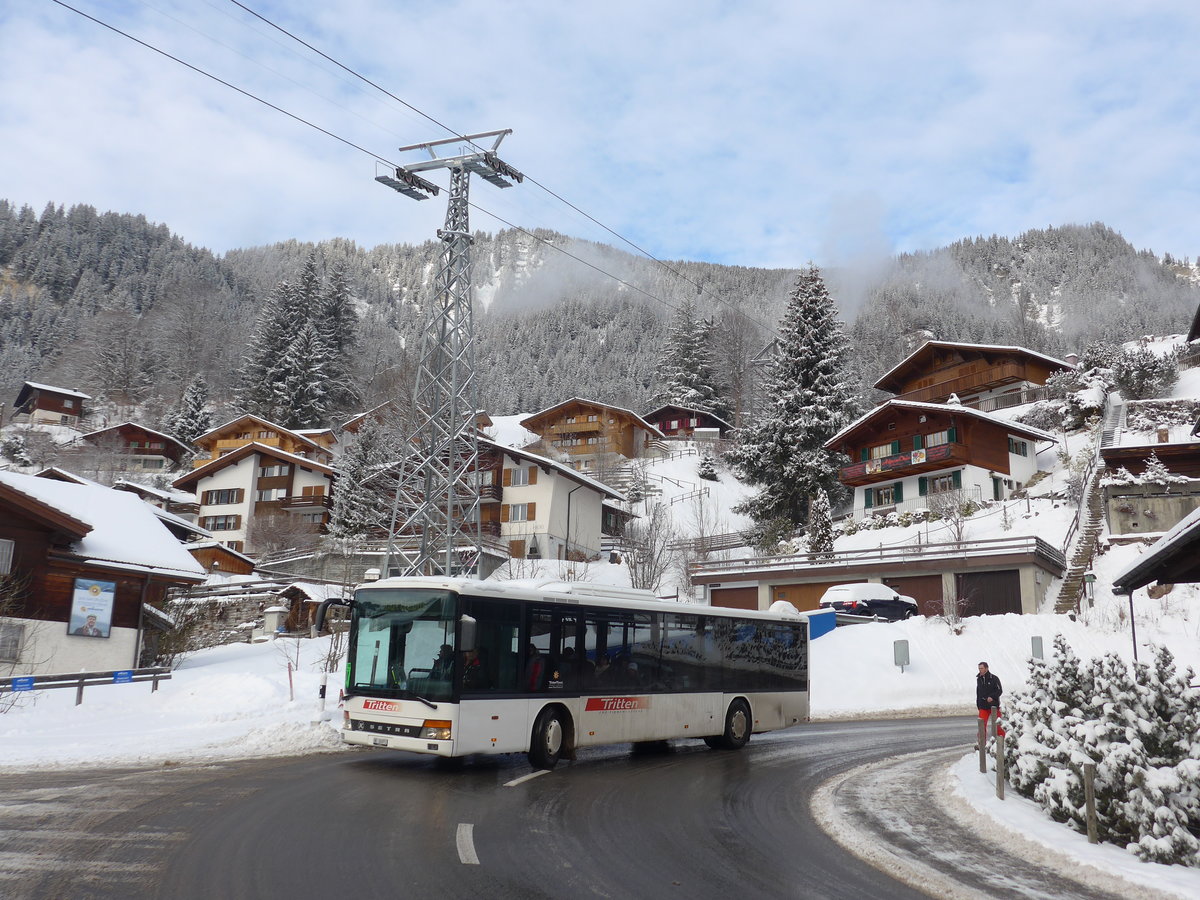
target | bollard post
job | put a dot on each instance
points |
(981, 743)
(79, 693)
(1000, 766)
(154, 683)
(320, 717)
(291, 684)
(1089, 799)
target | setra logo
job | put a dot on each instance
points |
(381, 705)
(616, 704)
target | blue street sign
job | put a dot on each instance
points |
(23, 684)
(123, 677)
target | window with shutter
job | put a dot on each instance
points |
(957, 476)
(953, 435)
(533, 474)
(918, 443)
(923, 486)
(868, 498)
(530, 512)
(898, 492)
(503, 512)
(895, 446)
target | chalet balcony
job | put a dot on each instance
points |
(490, 493)
(573, 427)
(898, 465)
(983, 380)
(319, 501)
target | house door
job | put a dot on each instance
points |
(990, 593)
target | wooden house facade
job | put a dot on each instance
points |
(587, 431)
(905, 455)
(681, 422)
(139, 447)
(981, 375)
(80, 562)
(44, 404)
(250, 429)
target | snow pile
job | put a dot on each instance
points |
(1138, 727)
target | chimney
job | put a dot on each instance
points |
(1072, 359)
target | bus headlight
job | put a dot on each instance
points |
(436, 730)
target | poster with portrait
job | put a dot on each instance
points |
(91, 608)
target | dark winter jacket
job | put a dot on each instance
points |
(987, 691)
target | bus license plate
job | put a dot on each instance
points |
(380, 742)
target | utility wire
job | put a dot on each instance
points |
(375, 156)
(699, 287)
(220, 81)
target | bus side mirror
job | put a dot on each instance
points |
(319, 620)
(467, 638)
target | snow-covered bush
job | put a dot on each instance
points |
(1149, 415)
(1141, 373)
(707, 469)
(1156, 473)
(13, 448)
(1140, 728)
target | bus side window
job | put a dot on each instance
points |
(497, 627)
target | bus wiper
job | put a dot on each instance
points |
(428, 703)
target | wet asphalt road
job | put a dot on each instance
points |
(687, 822)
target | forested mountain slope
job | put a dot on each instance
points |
(121, 308)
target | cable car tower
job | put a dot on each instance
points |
(437, 489)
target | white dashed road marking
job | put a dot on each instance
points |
(525, 778)
(466, 845)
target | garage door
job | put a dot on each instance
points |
(925, 589)
(990, 593)
(735, 598)
(801, 596)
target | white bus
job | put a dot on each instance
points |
(452, 667)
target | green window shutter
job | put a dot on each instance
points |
(918, 442)
(864, 454)
(868, 498)
(923, 486)
(1012, 446)
(898, 492)
(957, 479)
(895, 446)
(953, 435)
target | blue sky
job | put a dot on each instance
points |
(756, 133)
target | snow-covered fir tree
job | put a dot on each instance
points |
(272, 332)
(707, 468)
(819, 536)
(355, 502)
(812, 398)
(191, 417)
(686, 372)
(301, 396)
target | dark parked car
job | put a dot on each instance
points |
(869, 599)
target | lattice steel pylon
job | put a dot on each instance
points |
(437, 498)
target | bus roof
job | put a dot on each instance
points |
(574, 593)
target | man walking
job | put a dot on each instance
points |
(987, 694)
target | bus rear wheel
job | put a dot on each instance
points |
(546, 745)
(737, 728)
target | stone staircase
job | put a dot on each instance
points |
(1092, 520)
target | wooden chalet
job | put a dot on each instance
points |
(214, 556)
(982, 375)
(682, 421)
(85, 560)
(585, 430)
(181, 503)
(143, 448)
(250, 429)
(44, 404)
(906, 453)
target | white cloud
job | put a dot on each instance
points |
(698, 129)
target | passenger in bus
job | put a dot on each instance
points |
(603, 670)
(475, 676)
(535, 668)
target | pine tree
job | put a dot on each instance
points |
(191, 417)
(819, 537)
(337, 324)
(300, 398)
(811, 400)
(686, 370)
(355, 505)
(707, 469)
(259, 373)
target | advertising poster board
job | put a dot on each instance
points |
(91, 608)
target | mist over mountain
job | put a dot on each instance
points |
(123, 309)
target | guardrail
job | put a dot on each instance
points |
(903, 553)
(80, 680)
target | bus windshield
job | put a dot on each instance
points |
(402, 643)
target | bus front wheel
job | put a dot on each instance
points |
(737, 728)
(546, 746)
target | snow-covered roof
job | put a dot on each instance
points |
(562, 469)
(985, 348)
(183, 448)
(261, 421)
(125, 532)
(691, 409)
(597, 403)
(317, 593)
(1178, 549)
(161, 493)
(217, 545)
(944, 408)
(58, 390)
(242, 452)
(507, 430)
(56, 473)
